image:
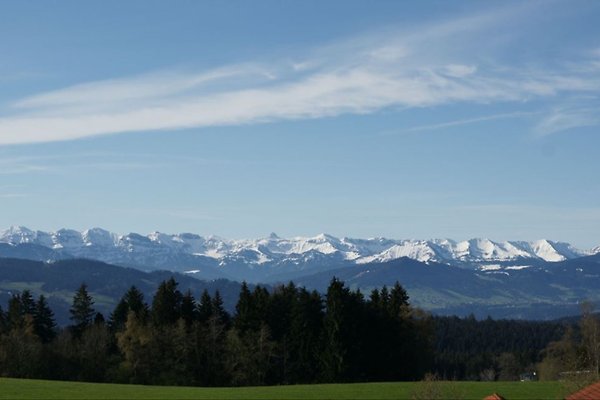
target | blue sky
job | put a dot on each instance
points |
(398, 119)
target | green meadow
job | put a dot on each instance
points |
(39, 389)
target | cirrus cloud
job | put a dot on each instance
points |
(358, 76)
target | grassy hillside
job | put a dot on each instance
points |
(37, 389)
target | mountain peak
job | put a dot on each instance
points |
(16, 229)
(167, 251)
(325, 237)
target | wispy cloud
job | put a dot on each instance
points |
(12, 195)
(99, 161)
(415, 68)
(15, 168)
(468, 121)
(562, 119)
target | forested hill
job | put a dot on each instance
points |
(107, 283)
(284, 336)
(544, 292)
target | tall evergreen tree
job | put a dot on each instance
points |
(398, 303)
(99, 319)
(118, 317)
(188, 308)
(27, 303)
(204, 307)
(218, 310)
(166, 305)
(15, 312)
(261, 301)
(82, 311)
(244, 320)
(132, 300)
(135, 302)
(334, 356)
(306, 328)
(43, 320)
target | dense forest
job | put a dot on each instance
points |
(284, 336)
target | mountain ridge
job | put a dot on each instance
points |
(256, 260)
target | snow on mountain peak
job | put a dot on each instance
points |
(17, 234)
(100, 244)
(550, 251)
(98, 237)
(486, 250)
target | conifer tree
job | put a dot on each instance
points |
(15, 312)
(132, 300)
(188, 308)
(305, 337)
(82, 312)
(261, 300)
(27, 303)
(166, 305)
(99, 319)
(218, 310)
(243, 319)
(334, 356)
(398, 303)
(43, 320)
(135, 302)
(118, 317)
(374, 298)
(205, 307)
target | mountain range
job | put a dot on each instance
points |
(272, 259)
(514, 279)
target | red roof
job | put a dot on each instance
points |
(494, 396)
(591, 392)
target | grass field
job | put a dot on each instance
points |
(37, 389)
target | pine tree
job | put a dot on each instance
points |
(334, 356)
(15, 313)
(375, 298)
(27, 303)
(118, 317)
(399, 305)
(166, 305)
(244, 320)
(306, 329)
(218, 310)
(135, 302)
(99, 319)
(43, 320)
(188, 308)
(82, 312)
(205, 308)
(132, 300)
(261, 301)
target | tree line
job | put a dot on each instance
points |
(284, 336)
(287, 335)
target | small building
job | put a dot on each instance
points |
(528, 376)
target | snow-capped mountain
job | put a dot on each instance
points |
(272, 256)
